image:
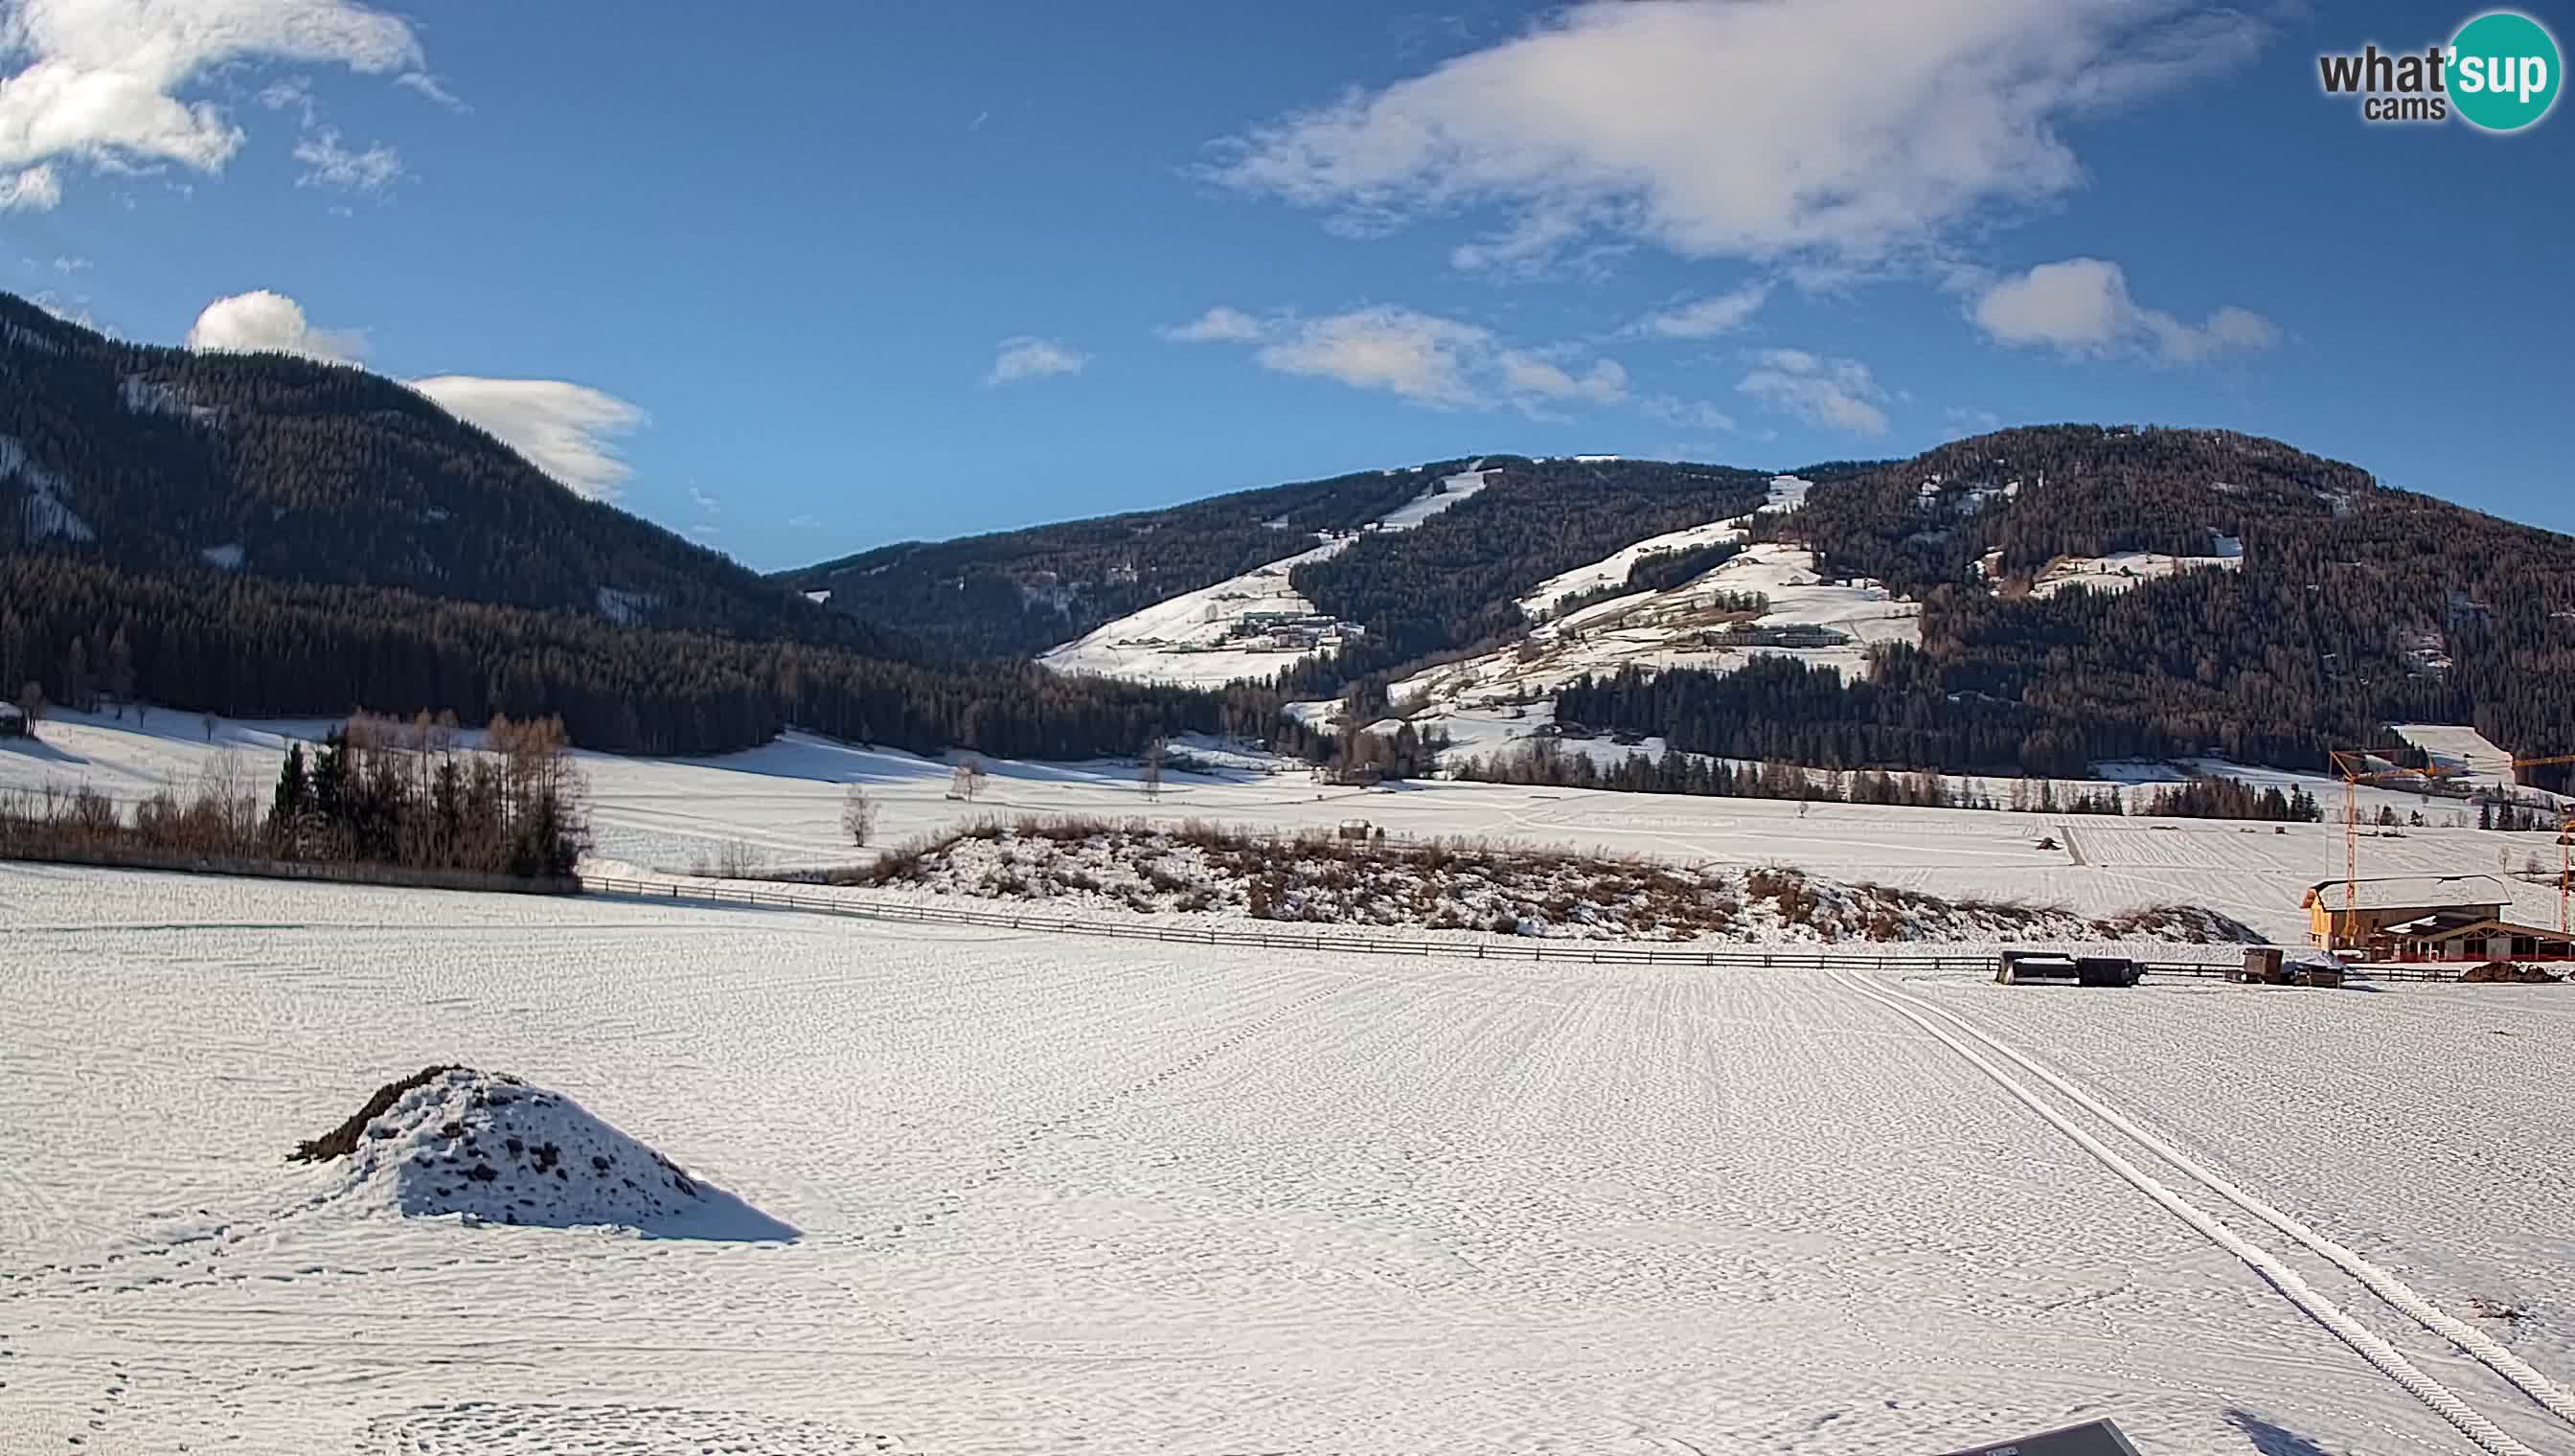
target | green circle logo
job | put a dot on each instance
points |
(2504, 71)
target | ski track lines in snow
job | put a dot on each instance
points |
(1104, 1195)
(2443, 1400)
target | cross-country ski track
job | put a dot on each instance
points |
(1210, 1199)
(1979, 1048)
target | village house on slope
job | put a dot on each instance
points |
(2425, 917)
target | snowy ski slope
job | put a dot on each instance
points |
(1049, 1196)
(1204, 639)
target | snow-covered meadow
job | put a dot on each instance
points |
(1038, 1196)
(779, 806)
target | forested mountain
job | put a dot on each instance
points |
(268, 535)
(263, 534)
(2351, 607)
(155, 459)
(1019, 592)
(1444, 584)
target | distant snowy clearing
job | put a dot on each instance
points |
(1113, 1197)
(1251, 626)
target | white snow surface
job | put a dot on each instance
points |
(1196, 639)
(781, 803)
(2122, 570)
(621, 606)
(1201, 638)
(46, 513)
(1450, 491)
(1611, 571)
(2460, 750)
(1689, 626)
(1110, 1196)
(487, 1147)
(227, 557)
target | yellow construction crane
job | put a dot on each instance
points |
(2352, 766)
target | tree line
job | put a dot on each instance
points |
(246, 647)
(374, 791)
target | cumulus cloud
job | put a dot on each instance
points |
(261, 321)
(1842, 129)
(1028, 357)
(1839, 394)
(1443, 364)
(562, 428)
(328, 164)
(2081, 308)
(106, 82)
(1708, 317)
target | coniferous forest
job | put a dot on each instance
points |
(263, 534)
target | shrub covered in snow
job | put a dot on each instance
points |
(1455, 884)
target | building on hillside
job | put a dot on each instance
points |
(13, 724)
(2426, 917)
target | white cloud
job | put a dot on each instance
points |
(1839, 394)
(261, 321)
(329, 164)
(1533, 376)
(432, 88)
(562, 428)
(292, 94)
(1708, 317)
(1443, 364)
(1971, 421)
(36, 189)
(2081, 308)
(705, 501)
(1419, 357)
(1836, 129)
(1687, 414)
(102, 81)
(1219, 325)
(1028, 357)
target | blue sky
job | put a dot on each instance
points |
(802, 279)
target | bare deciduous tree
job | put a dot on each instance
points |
(858, 816)
(1155, 753)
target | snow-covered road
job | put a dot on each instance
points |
(1110, 1197)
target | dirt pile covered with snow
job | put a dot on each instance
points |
(1446, 884)
(490, 1149)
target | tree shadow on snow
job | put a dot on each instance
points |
(2271, 1440)
(40, 750)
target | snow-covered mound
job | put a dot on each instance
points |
(490, 1149)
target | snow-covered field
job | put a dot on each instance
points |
(780, 805)
(1104, 1196)
(2123, 571)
